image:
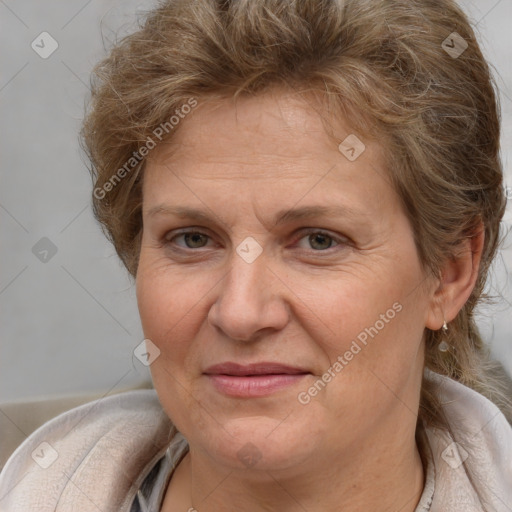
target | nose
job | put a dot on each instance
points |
(250, 303)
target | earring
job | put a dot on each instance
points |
(443, 346)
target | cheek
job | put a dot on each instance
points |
(163, 303)
(165, 306)
(173, 306)
(374, 363)
(357, 304)
(374, 320)
(164, 295)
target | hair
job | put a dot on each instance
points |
(383, 64)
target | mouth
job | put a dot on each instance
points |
(253, 380)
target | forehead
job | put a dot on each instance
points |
(281, 124)
(267, 147)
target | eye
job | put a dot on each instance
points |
(191, 239)
(314, 239)
(319, 241)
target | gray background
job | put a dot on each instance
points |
(69, 324)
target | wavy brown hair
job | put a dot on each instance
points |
(379, 63)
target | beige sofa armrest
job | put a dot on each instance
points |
(19, 419)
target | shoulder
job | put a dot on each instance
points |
(88, 458)
(473, 458)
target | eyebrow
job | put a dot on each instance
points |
(281, 217)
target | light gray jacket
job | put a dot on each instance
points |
(95, 457)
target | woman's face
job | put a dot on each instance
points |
(267, 250)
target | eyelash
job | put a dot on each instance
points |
(339, 241)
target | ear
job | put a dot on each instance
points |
(457, 280)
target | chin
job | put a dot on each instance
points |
(259, 443)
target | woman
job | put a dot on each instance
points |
(308, 194)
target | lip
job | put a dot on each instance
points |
(261, 368)
(253, 380)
